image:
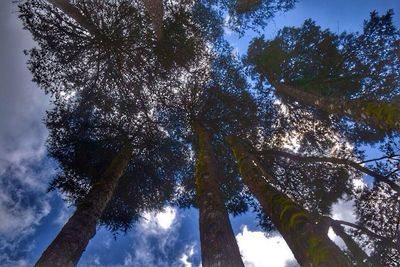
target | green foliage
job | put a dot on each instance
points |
(119, 85)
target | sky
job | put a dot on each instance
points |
(30, 217)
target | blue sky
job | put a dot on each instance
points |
(30, 218)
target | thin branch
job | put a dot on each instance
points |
(378, 177)
(76, 14)
(377, 159)
(368, 232)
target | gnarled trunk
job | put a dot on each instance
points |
(305, 234)
(218, 243)
(67, 248)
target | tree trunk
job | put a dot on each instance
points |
(380, 115)
(73, 12)
(155, 9)
(305, 233)
(67, 248)
(243, 6)
(218, 244)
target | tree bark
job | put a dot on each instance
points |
(305, 233)
(67, 248)
(73, 12)
(155, 9)
(243, 6)
(378, 177)
(381, 115)
(218, 244)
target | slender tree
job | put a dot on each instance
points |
(218, 243)
(333, 73)
(66, 249)
(304, 233)
(98, 78)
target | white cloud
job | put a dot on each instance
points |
(24, 175)
(258, 250)
(184, 259)
(166, 218)
(344, 210)
(154, 239)
(17, 218)
(161, 220)
(227, 30)
(128, 260)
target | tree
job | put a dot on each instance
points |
(317, 68)
(106, 92)
(218, 243)
(201, 110)
(158, 77)
(304, 233)
(85, 218)
(251, 14)
(83, 140)
(90, 94)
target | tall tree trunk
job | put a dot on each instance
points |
(305, 233)
(73, 12)
(378, 177)
(381, 115)
(155, 9)
(218, 244)
(67, 248)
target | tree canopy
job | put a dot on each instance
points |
(151, 106)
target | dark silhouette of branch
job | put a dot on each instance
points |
(76, 14)
(368, 232)
(377, 159)
(312, 159)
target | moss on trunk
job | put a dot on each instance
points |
(67, 248)
(218, 243)
(304, 232)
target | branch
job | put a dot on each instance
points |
(378, 177)
(155, 10)
(359, 255)
(368, 232)
(381, 115)
(381, 158)
(76, 14)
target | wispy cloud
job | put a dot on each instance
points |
(155, 240)
(22, 208)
